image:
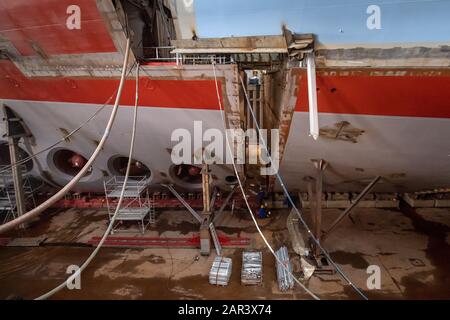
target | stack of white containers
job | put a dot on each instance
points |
(220, 272)
(284, 275)
(251, 268)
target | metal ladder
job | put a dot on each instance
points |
(7, 201)
(152, 212)
(7, 192)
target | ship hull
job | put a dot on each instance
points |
(383, 91)
(410, 153)
(51, 121)
(389, 122)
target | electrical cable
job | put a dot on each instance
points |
(246, 200)
(56, 197)
(113, 219)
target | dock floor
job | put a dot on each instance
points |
(413, 252)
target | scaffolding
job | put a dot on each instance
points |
(8, 207)
(137, 205)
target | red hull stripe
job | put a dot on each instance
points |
(412, 96)
(42, 23)
(192, 94)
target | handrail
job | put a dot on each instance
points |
(181, 59)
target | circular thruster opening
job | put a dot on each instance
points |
(69, 162)
(231, 179)
(186, 174)
(5, 159)
(118, 166)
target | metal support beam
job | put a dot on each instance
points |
(183, 202)
(310, 183)
(213, 198)
(224, 204)
(206, 191)
(320, 168)
(215, 238)
(205, 238)
(366, 190)
(206, 231)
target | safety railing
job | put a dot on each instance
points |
(166, 55)
(160, 54)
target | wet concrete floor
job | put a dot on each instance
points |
(411, 247)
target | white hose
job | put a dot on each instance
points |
(113, 219)
(61, 193)
(312, 96)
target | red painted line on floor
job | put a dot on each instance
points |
(100, 202)
(190, 242)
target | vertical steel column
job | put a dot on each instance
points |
(320, 168)
(206, 191)
(213, 199)
(205, 233)
(310, 183)
(261, 103)
(254, 106)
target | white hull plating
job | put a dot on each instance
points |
(409, 153)
(153, 139)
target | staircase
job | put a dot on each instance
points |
(152, 212)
